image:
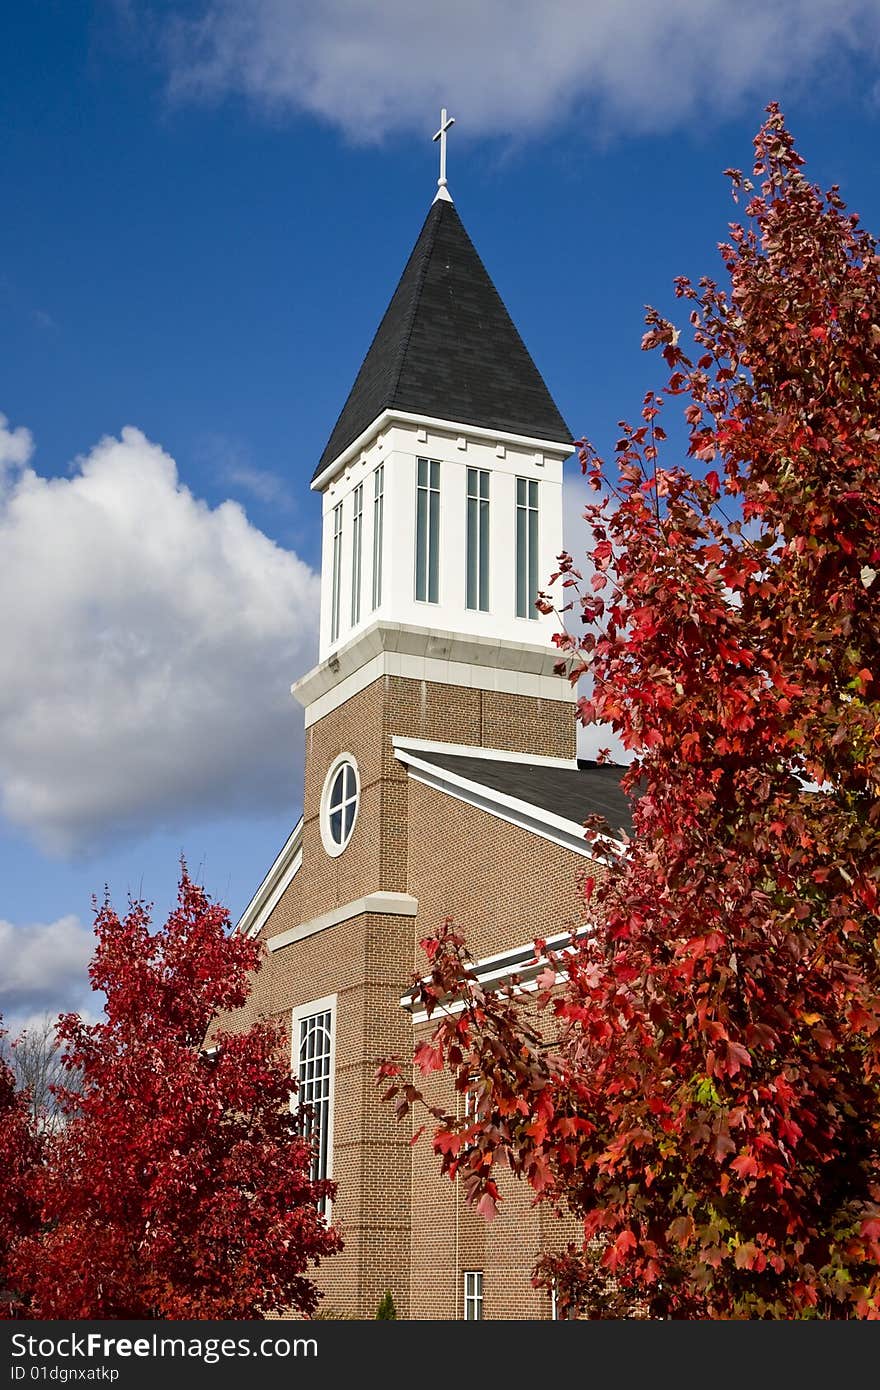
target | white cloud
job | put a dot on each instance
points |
(265, 486)
(509, 67)
(16, 448)
(44, 971)
(149, 642)
(230, 461)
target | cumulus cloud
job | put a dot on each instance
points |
(507, 67)
(44, 971)
(231, 461)
(16, 448)
(149, 642)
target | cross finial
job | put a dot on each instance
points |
(445, 124)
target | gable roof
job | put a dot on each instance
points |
(448, 349)
(571, 793)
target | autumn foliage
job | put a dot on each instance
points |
(178, 1185)
(20, 1153)
(709, 1101)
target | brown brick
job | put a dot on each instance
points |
(405, 1228)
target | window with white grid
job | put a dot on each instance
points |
(473, 1295)
(313, 1043)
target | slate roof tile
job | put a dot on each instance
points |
(574, 793)
(447, 348)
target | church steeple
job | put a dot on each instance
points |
(447, 349)
(442, 482)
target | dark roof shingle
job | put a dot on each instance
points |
(590, 789)
(447, 348)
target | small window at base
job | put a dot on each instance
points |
(473, 1295)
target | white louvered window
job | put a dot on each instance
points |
(378, 527)
(477, 541)
(428, 531)
(336, 583)
(526, 547)
(357, 545)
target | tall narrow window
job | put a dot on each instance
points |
(478, 539)
(428, 531)
(313, 1054)
(337, 573)
(378, 524)
(473, 1295)
(357, 545)
(526, 547)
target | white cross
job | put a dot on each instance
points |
(441, 136)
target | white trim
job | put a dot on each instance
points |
(267, 897)
(423, 653)
(494, 971)
(332, 847)
(562, 448)
(559, 830)
(469, 750)
(439, 673)
(378, 904)
(440, 644)
(299, 1013)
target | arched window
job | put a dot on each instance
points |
(313, 1044)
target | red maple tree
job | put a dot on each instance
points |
(178, 1185)
(703, 1090)
(20, 1153)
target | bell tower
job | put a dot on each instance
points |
(440, 744)
(441, 486)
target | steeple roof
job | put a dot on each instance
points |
(447, 348)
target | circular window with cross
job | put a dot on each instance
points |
(339, 803)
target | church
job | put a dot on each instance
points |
(441, 776)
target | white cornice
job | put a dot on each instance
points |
(559, 830)
(421, 653)
(561, 448)
(381, 904)
(492, 972)
(269, 893)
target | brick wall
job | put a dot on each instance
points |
(406, 1229)
(364, 726)
(362, 962)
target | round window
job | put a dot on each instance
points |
(339, 804)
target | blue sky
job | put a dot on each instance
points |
(205, 210)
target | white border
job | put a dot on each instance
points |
(380, 904)
(559, 830)
(561, 448)
(494, 971)
(330, 846)
(267, 897)
(300, 1012)
(468, 750)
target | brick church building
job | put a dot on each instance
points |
(441, 777)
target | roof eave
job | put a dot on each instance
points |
(389, 416)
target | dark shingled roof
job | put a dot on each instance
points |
(590, 789)
(448, 348)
